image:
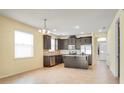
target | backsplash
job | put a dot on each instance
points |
(67, 52)
(64, 52)
(46, 52)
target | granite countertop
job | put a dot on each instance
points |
(52, 54)
(76, 55)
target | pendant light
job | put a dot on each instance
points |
(45, 30)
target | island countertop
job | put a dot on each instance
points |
(52, 54)
(76, 55)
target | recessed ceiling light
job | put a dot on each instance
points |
(39, 30)
(43, 31)
(100, 30)
(54, 30)
(77, 27)
(103, 29)
(48, 32)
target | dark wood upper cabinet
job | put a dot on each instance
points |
(47, 41)
(59, 44)
(78, 43)
(63, 44)
(71, 41)
(82, 41)
(86, 40)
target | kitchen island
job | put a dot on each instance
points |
(75, 61)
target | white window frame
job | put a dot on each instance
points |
(53, 48)
(85, 48)
(22, 57)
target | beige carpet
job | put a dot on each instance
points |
(99, 74)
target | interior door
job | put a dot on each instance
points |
(117, 47)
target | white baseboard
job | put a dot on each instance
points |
(8, 75)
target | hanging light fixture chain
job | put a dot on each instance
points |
(45, 23)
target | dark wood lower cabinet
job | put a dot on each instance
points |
(50, 61)
(58, 59)
(46, 62)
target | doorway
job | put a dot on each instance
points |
(102, 51)
(117, 46)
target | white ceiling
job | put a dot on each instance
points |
(64, 20)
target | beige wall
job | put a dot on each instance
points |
(122, 48)
(111, 46)
(9, 65)
(111, 49)
(94, 48)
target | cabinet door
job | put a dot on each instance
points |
(62, 44)
(47, 42)
(88, 40)
(82, 40)
(59, 44)
(46, 61)
(71, 41)
(44, 42)
(58, 59)
(65, 42)
(78, 43)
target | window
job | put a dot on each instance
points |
(23, 44)
(86, 49)
(52, 44)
